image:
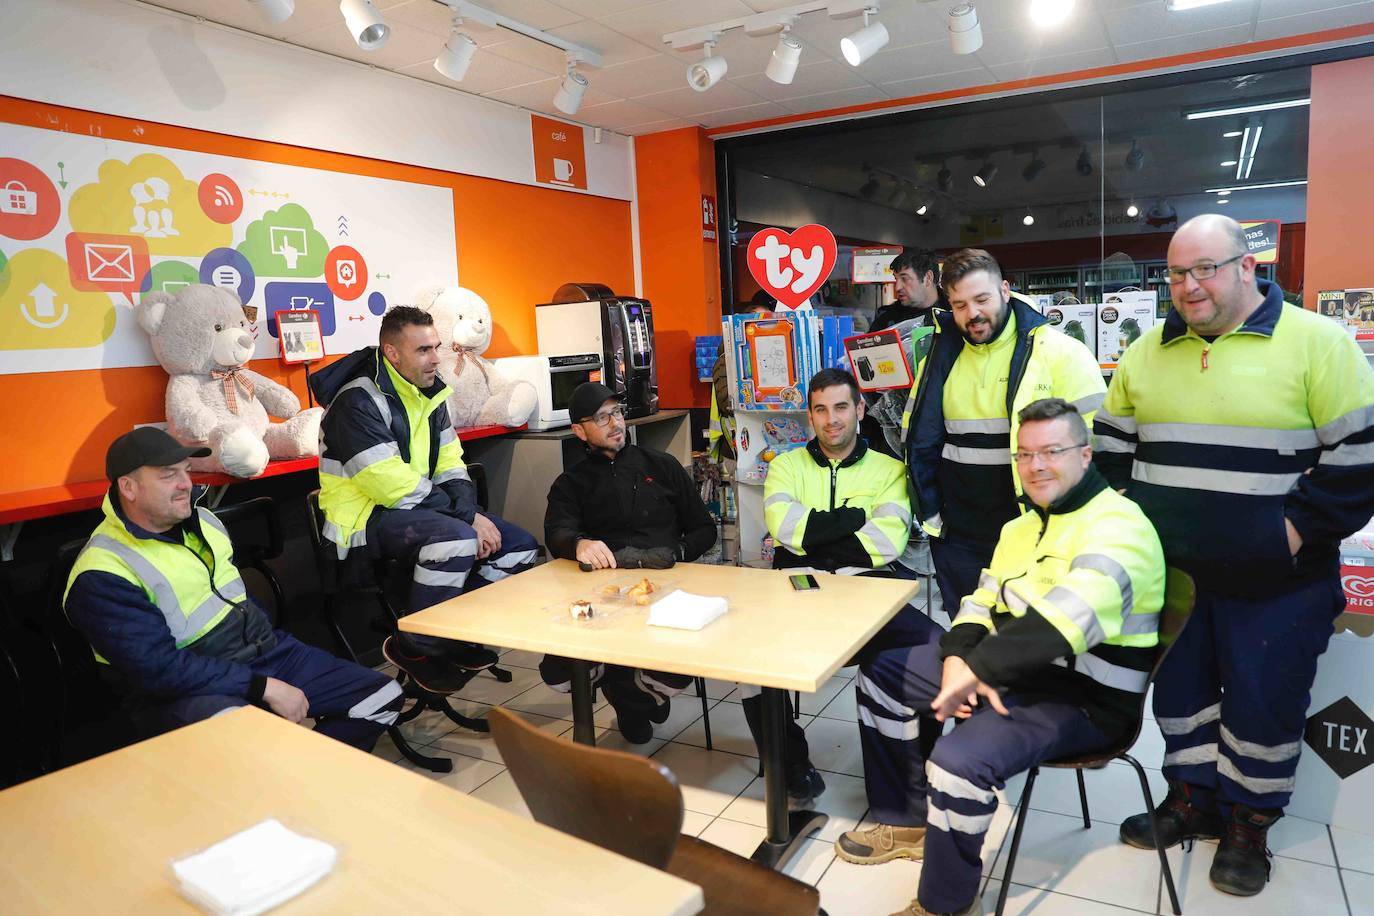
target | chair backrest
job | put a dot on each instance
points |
(254, 527)
(627, 804)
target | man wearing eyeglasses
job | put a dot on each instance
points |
(1056, 639)
(1244, 428)
(623, 506)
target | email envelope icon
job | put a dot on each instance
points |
(107, 263)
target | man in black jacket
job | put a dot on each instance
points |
(623, 507)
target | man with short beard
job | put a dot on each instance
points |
(993, 354)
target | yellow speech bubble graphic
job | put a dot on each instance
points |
(39, 309)
(148, 196)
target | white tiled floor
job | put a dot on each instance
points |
(1062, 869)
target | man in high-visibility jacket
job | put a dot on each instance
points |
(836, 505)
(156, 593)
(1244, 428)
(393, 482)
(993, 354)
(1057, 637)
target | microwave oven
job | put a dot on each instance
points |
(554, 379)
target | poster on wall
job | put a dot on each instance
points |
(88, 225)
(1262, 240)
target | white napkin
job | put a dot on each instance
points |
(253, 871)
(686, 611)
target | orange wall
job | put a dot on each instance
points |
(681, 271)
(1340, 193)
(516, 245)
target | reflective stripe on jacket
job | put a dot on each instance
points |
(839, 516)
(1221, 442)
(194, 584)
(1041, 363)
(384, 442)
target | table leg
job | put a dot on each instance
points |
(786, 829)
(584, 729)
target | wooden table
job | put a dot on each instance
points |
(772, 637)
(99, 836)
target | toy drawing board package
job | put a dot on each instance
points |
(774, 358)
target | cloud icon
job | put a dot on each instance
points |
(149, 197)
(285, 243)
(40, 310)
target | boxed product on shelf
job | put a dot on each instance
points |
(707, 349)
(1122, 318)
(775, 357)
(1078, 320)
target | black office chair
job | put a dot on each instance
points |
(1179, 596)
(376, 578)
(254, 528)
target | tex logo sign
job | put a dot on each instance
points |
(1343, 737)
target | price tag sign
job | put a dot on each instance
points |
(299, 332)
(879, 360)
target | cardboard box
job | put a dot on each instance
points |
(1122, 319)
(1078, 321)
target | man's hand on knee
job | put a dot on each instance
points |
(488, 536)
(286, 701)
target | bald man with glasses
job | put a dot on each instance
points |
(623, 506)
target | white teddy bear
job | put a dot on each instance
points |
(200, 336)
(482, 394)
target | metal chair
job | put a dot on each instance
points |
(1179, 597)
(632, 805)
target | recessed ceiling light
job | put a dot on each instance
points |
(921, 210)
(1228, 163)
(1132, 211)
(1223, 200)
(1223, 193)
(1048, 13)
(1231, 133)
(1028, 219)
(1256, 187)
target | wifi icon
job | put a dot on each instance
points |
(220, 198)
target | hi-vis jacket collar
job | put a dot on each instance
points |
(813, 448)
(1262, 321)
(1078, 496)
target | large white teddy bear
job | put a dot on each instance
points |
(482, 394)
(201, 337)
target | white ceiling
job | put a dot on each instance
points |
(642, 86)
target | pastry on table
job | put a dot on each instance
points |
(580, 610)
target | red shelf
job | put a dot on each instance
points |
(89, 494)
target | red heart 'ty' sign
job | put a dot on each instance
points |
(792, 265)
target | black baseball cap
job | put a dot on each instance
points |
(146, 446)
(587, 399)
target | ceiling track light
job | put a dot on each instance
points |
(1028, 219)
(782, 65)
(866, 42)
(453, 61)
(965, 34)
(1132, 211)
(1033, 168)
(365, 24)
(1084, 163)
(988, 171)
(708, 71)
(275, 11)
(944, 179)
(869, 187)
(1135, 159)
(569, 95)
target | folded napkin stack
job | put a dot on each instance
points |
(686, 611)
(253, 870)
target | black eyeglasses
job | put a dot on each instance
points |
(604, 417)
(1204, 271)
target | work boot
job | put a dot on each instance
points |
(435, 675)
(659, 714)
(1241, 866)
(468, 655)
(804, 784)
(633, 711)
(882, 843)
(1178, 819)
(914, 908)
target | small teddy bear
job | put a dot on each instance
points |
(482, 394)
(201, 337)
